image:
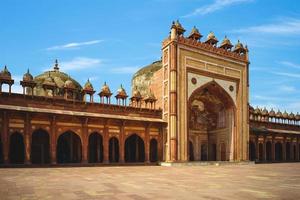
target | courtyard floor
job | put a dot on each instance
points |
(261, 181)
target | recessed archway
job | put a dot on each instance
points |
(153, 150)
(95, 148)
(134, 149)
(278, 151)
(269, 151)
(69, 148)
(252, 151)
(288, 151)
(261, 151)
(204, 152)
(113, 150)
(294, 152)
(16, 149)
(211, 114)
(40, 147)
(1, 151)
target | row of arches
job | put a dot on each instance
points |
(208, 152)
(69, 148)
(290, 153)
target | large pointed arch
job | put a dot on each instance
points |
(134, 149)
(16, 148)
(40, 147)
(69, 148)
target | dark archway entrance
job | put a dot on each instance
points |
(295, 153)
(204, 152)
(16, 149)
(113, 150)
(153, 150)
(213, 152)
(134, 149)
(95, 148)
(251, 151)
(68, 148)
(278, 151)
(191, 151)
(40, 147)
(288, 151)
(223, 152)
(261, 151)
(269, 151)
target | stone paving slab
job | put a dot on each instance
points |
(261, 181)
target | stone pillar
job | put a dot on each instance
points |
(273, 148)
(122, 143)
(5, 137)
(147, 143)
(106, 144)
(27, 138)
(53, 140)
(173, 103)
(85, 141)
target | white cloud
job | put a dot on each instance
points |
(286, 26)
(125, 70)
(215, 6)
(286, 74)
(290, 64)
(74, 45)
(287, 88)
(79, 63)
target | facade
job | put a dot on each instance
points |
(190, 106)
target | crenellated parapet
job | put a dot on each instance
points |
(264, 115)
(239, 52)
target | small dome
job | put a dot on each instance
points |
(69, 84)
(5, 73)
(105, 89)
(297, 117)
(239, 48)
(211, 38)
(272, 113)
(285, 114)
(88, 86)
(121, 92)
(136, 93)
(226, 44)
(291, 116)
(278, 114)
(265, 111)
(257, 111)
(27, 76)
(195, 34)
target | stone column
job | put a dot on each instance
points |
(106, 144)
(122, 143)
(85, 141)
(27, 138)
(53, 140)
(5, 137)
(147, 143)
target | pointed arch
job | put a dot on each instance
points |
(69, 148)
(16, 148)
(134, 149)
(113, 150)
(40, 147)
(95, 148)
(153, 150)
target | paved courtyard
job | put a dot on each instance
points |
(263, 181)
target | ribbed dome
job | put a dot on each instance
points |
(121, 92)
(69, 84)
(226, 44)
(211, 38)
(239, 48)
(285, 114)
(272, 113)
(59, 79)
(105, 89)
(27, 76)
(49, 81)
(257, 111)
(291, 116)
(278, 114)
(265, 112)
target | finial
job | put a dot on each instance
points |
(27, 70)
(56, 65)
(104, 82)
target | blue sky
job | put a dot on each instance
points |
(110, 40)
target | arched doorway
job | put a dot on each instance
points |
(251, 151)
(269, 151)
(95, 148)
(261, 151)
(191, 151)
(204, 152)
(69, 148)
(211, 111)
(223, 152)
(16, 149)
(213, 152)
(295, 153)
(134, 149)
(153, 150)
(40, 147)
(113, 150)
(288, 151)
(278, 151)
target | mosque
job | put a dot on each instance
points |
(192, 105)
